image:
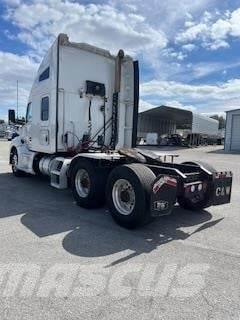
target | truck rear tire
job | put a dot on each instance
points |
(128, 194)
(88, 184)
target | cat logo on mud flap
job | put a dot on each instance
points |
(222, 191)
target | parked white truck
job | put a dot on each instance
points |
(81, 127)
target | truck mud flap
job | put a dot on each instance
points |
(222, 188)
(163, 197)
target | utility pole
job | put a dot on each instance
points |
(17, 99)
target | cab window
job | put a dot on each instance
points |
(45, 108)
(29, 112)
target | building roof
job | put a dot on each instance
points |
(232, 110)
(170, 113)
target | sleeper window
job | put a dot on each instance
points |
(44, 75)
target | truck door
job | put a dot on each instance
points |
(38, 125)
(45, 132)
(44, 137)
(28, 126)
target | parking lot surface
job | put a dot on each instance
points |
(58, 261)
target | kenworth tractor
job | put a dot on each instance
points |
(81, 131)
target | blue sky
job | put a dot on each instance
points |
(188, 50)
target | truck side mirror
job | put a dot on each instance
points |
(11, 116)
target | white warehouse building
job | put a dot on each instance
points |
(232, 134)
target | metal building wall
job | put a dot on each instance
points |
(229, 134)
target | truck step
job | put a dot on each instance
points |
(58, 172)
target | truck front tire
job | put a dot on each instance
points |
(14, 162)
(128, 194)
(88, 184)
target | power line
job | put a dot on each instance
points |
(17, 99)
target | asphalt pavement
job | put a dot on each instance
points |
(58, 261)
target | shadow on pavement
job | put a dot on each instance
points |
(96, 242)
(222, 151)
(46, 211)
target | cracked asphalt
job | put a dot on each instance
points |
(58, 261)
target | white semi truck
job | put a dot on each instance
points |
(81, 129)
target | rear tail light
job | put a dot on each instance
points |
(196, 187)
(193, 188)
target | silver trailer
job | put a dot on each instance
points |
(166, 120)
(204, 125)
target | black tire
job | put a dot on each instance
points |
(16, 172)
(203, 203)
(141, 178)
(97, 183)
(36, 169)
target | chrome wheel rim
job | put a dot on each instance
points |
(82, 183)
(14, 162)
(123, 196)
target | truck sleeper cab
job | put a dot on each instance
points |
(80, 130)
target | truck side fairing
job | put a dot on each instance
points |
(39, 133)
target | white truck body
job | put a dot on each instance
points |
(58, 106)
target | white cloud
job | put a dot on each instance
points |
(166, 15)
(229, 89)
(99, 24)
(220, 28)
(192, 33)
(13, 68)
(144, 105)
(189, 24)
(171, 53)
(204, 97)
(179, 105)
(209, 114)
(235, 24)
(212, 32)
(204, 69)
(217, 44)
(179, 55)
(189, 47)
